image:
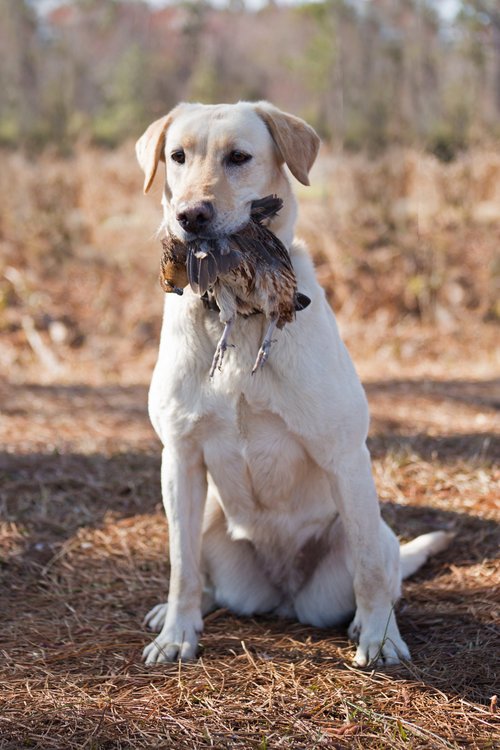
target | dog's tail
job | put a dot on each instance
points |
(415, 553)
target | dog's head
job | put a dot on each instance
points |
(219, 158)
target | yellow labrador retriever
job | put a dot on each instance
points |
(266, 479)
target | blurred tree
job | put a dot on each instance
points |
(19, 82)
(487, 12)
(365, 74)
(318, 63)
(125, 110)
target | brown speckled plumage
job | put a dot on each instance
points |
(173, 274)
(244, 273)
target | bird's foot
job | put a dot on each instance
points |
(221, 349)
(263, 355)
(218, 357)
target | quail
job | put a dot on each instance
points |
(244, 273)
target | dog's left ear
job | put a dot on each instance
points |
(296, 141)
(150, 146)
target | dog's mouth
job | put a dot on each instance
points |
(224, 225)
(184, 236)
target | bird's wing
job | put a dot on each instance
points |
(265, 208)
(278, 250)
(206, 263)
(264, 245)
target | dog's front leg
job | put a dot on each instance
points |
(375, 557)
(184, 490)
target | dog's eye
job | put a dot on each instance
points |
(178, 156)
(238, 157)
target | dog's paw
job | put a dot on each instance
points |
(376, 651)
(354, 629)
(155, 618)
(177, 641)
(379, 640)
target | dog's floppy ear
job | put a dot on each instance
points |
(149, 147)
(296, 141)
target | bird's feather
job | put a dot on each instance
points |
(301, 301)
(203, 270)
(206, 263)
(265, 208)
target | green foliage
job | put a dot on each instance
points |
(450, 135)
(9, 130)
(125, 107)
(102, 69)
(204, 83)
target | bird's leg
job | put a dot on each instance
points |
(264, 347)
(221, 347)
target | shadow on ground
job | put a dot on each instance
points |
(83, 557)
(92, 560)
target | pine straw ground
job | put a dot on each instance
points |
(83, 558)
(83, 536)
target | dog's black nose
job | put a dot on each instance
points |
(195, 218)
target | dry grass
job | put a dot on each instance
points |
(398, 241)
(83, 536)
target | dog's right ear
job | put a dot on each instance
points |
(150, 146)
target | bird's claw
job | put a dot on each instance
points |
(218, 357)
(217, 360)
(221, 348)
(263, 355)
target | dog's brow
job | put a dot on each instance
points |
(225, 144)
(231, 143)
(188, 141)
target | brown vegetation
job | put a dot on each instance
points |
(399, 241)
(406, 248)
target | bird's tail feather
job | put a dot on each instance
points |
(301, 301)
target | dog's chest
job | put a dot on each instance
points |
(264, 478)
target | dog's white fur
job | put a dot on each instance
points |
(266, 479)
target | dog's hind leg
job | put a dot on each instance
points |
(234, 573)
(326, 599)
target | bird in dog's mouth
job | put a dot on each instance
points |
(243, 273)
